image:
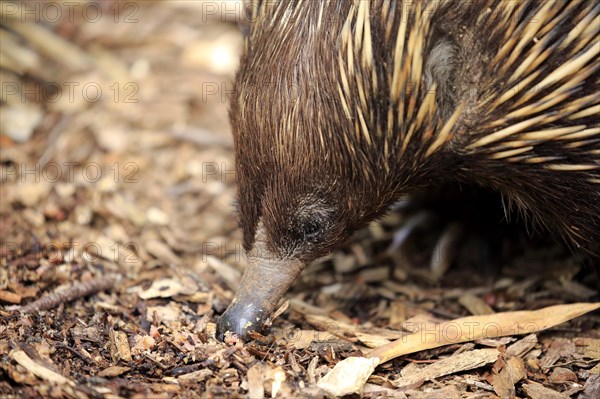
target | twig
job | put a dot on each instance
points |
(74, 351)
(69, 293)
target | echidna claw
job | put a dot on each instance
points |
(445, 250)
(407, 229)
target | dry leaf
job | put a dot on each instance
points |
(349, 375)
(477, 327)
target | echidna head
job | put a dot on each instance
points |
(296, 197)
(304, 187)
(305, 182)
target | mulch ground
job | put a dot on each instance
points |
(120, 246)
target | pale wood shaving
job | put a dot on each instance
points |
(40, 371)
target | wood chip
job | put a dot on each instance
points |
(143, 343)
(348, 376)
(475, 305)
(398, 313)
(588, 347)
(504, 381)
(562, 375)
(164, 314)
(371, 340)
(374, 274)
(447, 392)
(454, 364)
(51, 45)
(10, 297)
(260, 376)
(335, 327)
(591, 389)
(113, 371)
(535, 390)
(522, 346)
(19, 121)
(231, 275)
(195, 376)
(162, 252)
(40, 371)
(301, 339)
(121, 343)
(557, 349)
(306, 308)
(370, 390)
(166, 288)
(198, 297)
(311, 370)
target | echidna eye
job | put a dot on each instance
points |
(307, 231)
(312, 222)
(310, 230)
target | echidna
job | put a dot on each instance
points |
(341, 107)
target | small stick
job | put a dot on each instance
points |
(69, 293)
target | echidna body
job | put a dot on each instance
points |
(342, 107)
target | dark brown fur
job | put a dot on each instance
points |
(311, 173)
(279, 170)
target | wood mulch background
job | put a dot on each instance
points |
(120, 247)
